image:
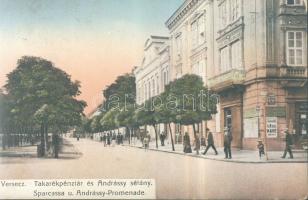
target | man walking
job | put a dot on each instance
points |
(227, 143)
(162, 137)
(288, 148)
(210, 142)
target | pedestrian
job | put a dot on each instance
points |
(186, 143)
(118, 139)
(289, 143)
(197, 144)
(55, 144)
(105, 139)
(210, 142)
(162, 137)
(113, 142)
(108, 139)
(146, 141)
(78, 137)
(227, 143)
(260, 147)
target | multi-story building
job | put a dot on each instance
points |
(153, 73)
(254, 55)
(189, 45)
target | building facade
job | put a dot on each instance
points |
(154, 72)
(254, 55)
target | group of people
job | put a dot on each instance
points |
(111, 139)
(198, 143)
(227, 144)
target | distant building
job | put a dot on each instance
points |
(153, 73)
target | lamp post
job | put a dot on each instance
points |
(264, 93)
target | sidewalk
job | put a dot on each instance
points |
(238, 156)
(67, 151)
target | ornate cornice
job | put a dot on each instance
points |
(181, 12)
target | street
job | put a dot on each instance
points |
(176, 176)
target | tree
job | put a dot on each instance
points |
(120, 93)
(125, 118)
(193, 102)
(165, 115)
(145, 115)
(108, 121)
(44, 94)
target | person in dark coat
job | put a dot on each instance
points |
(187, 147)
(227, 143)
(56, 145)
(289, 143)
(260, 147)
(108, 139)
(210, 143)
(105, 139)
(162, 137)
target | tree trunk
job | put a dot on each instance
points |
(195, 132)
(46, 137)
(172, 142)
(130, 135)
(42, 145)
(155, 136)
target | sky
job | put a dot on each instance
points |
(92, 40)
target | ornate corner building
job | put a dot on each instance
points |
(254, 55)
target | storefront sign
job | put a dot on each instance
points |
(271, 127)
(250, 112)
(277, 111)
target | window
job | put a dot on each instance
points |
(157, 84)
(223, 14)
(153, 88)
(294, 2)
(235, 10)
(194, 32)
(224, 59)
(295, 48)
(178, 43)
(198, 31)
(236, 55)
(145, 92)
(201, 30)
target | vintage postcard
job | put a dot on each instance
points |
(153, 99)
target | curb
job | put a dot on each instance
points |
(221, 160)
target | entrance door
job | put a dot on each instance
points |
(303, 122)
(228, 118)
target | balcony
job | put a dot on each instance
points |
(293, 76)
(231, 78)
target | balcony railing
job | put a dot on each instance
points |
(227, 79)
(294, 72)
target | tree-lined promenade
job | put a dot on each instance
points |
(38, 99)
(185, 101)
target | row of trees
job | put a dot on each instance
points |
(39, 99)
(185, 101)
